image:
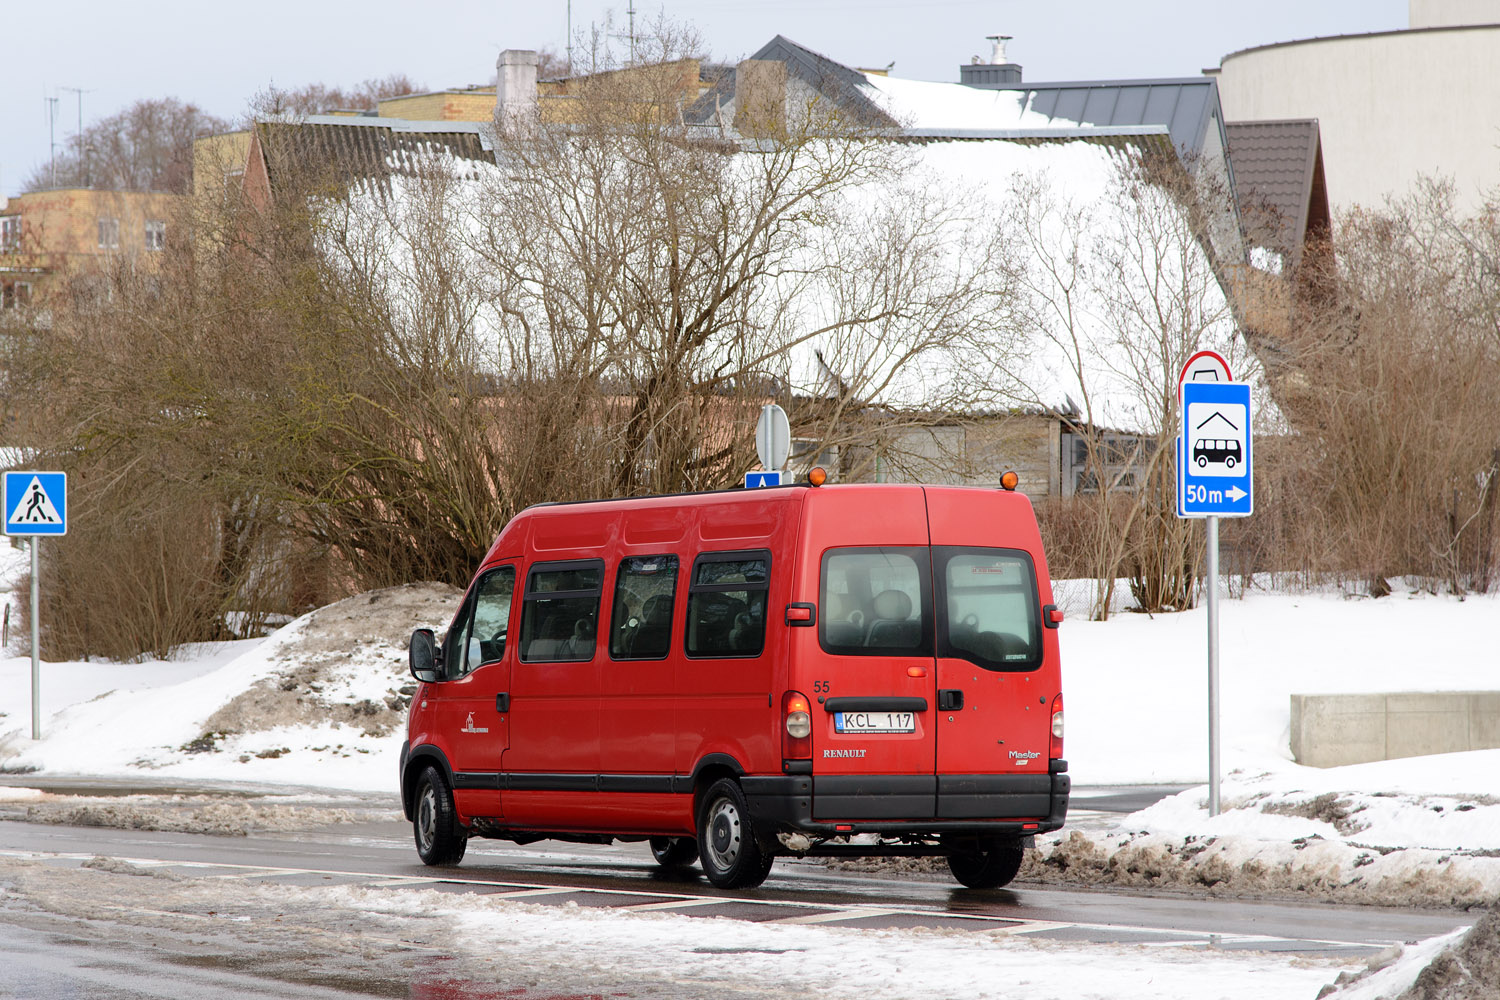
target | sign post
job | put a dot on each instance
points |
(1213, 480)
(773, 442)
(36, 504)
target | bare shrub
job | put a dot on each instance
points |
(1396, 382)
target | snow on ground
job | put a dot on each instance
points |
(428, 943)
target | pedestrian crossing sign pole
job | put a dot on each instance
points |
(36, 504)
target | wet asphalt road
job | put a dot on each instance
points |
(47, 959)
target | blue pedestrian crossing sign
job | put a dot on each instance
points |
(36, 503)
(1213, 451)
(770, 477)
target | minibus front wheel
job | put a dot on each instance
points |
(441, 840)
(988, 866)
(732, 857)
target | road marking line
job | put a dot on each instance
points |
(684, 902)
(823, 918)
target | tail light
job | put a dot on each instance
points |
(1055, 749)
(796, 739)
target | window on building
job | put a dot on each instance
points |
(10, 233)
(15, 295)
(109, 234)
(156, 234)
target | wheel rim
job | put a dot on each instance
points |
(427, 818)
(725, 833)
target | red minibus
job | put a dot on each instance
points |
(732, 676)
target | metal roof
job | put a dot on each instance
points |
(1187, 106)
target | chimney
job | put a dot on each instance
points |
(515, 86)
(760, 97)
(997, 74)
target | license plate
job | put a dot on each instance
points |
(874, 722)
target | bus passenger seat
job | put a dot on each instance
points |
(893, 625)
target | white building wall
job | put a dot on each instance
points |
(1446, 13)
(1391, 107)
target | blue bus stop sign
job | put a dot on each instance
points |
(36, 503)
(1213, 451)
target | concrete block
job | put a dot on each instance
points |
(1417, 734)
(1331, 730)
(1484, 720)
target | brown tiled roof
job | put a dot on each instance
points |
(1278, 175)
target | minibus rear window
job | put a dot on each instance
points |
(726, 614)
(560, 611)
(876, 602)
(989, 602)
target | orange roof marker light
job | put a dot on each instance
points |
(1009, 480)
(818, 476)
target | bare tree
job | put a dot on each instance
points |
(1123, 290)
(148, 146)
(321, 98)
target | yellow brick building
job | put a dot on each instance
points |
(46, 236)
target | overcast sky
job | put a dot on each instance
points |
(219, 55)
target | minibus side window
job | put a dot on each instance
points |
(875, 601)
(726, 613)
(560, 611)
(988, 599)
(641, 625)
(482, 638)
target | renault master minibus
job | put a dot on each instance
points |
(841, 670)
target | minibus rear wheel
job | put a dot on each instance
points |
(731, 856)
(989, 868)
(440, 838)
(674, 852)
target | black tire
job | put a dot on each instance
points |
(440, 838)
(674, 852)
(1229, 462)
(731, 856)
(987, 869)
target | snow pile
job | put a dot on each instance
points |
(321, 702)
(1464, 965)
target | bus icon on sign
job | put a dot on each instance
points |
(1224, 452)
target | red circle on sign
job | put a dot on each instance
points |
(1204, 361)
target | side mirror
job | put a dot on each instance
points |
(422, 656)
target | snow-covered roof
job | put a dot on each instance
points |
(921, 104)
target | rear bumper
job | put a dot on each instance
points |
(907, 804)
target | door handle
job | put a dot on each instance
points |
(502, 702)
(950, 700)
